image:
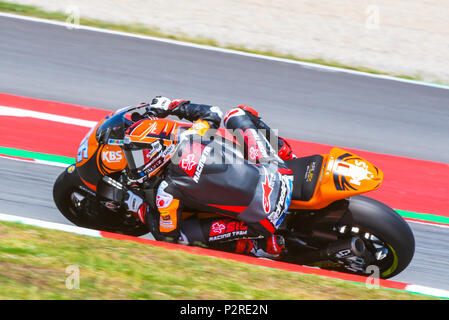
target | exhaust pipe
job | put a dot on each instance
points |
(343, 248)
(339, 249)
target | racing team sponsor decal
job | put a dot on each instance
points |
(254, 153)
(168, 219)
(112, 156)
(256, 150)
(217, 228)
(156, 147)
(285, 195)
(310, 171)
(166, 224)
(188, 163)
(190, 158)
(110, 159)
(352, 168)
(227, 228)
(201, 162)
(116, 142)
(168, 151)
(360, 172)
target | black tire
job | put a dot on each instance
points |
(383, 222)
(68, 182)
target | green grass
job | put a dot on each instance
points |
(34, 261)
(137, 28)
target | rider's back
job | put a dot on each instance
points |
(211, 176)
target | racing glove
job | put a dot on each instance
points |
(183, 109)
(135, 205)
(162, 106)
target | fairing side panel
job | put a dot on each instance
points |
(342, 175)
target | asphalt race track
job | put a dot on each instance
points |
(109, 71)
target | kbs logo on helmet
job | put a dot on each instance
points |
(112, 156)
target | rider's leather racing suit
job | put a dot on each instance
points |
(250, 193)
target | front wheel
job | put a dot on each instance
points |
(386, 234)
(82, 208)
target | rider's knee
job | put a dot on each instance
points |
(234, 116)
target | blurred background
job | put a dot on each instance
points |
(402, 37)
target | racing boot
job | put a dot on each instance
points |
(271, 247)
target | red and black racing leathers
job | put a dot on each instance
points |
(245, 182)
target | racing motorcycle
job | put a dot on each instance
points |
(328, 223)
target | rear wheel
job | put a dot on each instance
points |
(388, 238)
(81, 207)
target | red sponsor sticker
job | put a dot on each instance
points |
(254, 152)
(190, 157)
(227, 226)
(217, 228)
(266, 193)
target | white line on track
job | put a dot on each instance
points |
(429, 224)
(51, 163)
(309, 65)
(17, 112)
(50, 225)
(428, 291)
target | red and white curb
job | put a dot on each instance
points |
(57, 128)
(412, 288)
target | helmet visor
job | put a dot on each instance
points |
(146, 159)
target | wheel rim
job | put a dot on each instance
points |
(394, 265)
(388, 264)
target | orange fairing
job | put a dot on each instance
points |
(343, 175)
(110, 158)
(88, 146)
(95, 160)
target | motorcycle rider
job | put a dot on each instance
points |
(251, 197)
